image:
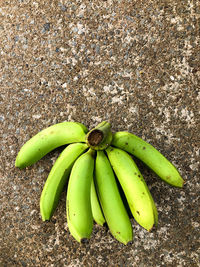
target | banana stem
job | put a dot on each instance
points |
(100, 137)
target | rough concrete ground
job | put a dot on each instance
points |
(133, 63)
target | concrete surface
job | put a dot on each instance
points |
(133, 63)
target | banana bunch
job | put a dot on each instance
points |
(90, 164)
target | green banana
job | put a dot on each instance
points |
(150, 156)
(58, 178)
(96, 208)
(48, 139)
(110, 199)
(78, 204)
(136, 191)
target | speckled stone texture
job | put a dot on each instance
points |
(133, 63)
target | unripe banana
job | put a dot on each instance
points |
(78, 204)
(96, 208)
(149, 155)
(48, 139)
(58, 178)
(136, 191)
(110, 199)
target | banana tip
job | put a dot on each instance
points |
(16, 164)
(84, 240)
(181, 184)
(152, 228)
(44, 218)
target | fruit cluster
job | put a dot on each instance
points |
(92, 161)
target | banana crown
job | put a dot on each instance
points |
(100, 137)
(103, 181)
